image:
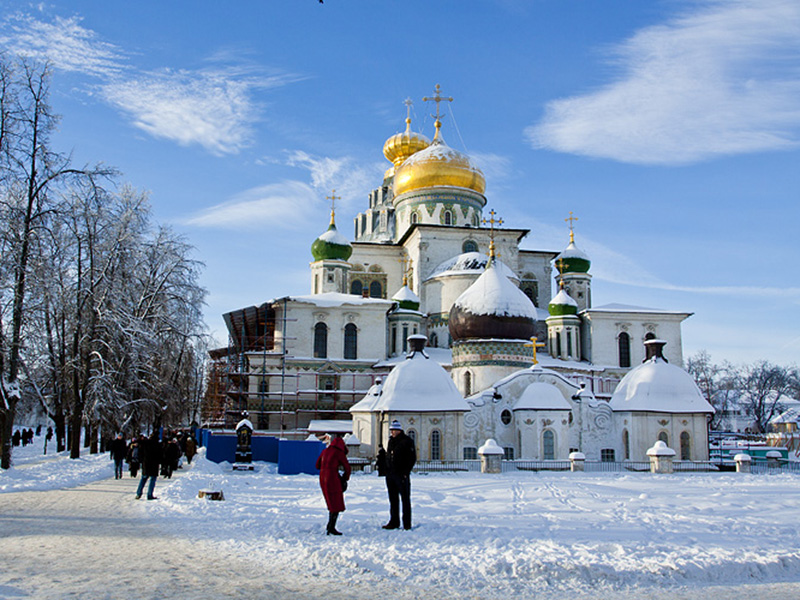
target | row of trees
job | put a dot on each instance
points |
(759, 389)
(100, 320)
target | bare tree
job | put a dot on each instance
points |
(764, 387)
(717, 383)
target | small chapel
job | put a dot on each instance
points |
(434, 315)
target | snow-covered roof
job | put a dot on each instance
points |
(404, 294)
(493, 293)
(541, 396)
(563, 297)
(657, 386)
(469, 263)
(572, 251)
(331, 299)
(367, 403)
(443, 356)
(616, 308)
(791, 415)
(330, 426)
(419, 384)
(332, 236)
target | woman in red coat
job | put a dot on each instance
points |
(328, 463)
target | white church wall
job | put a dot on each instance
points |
(644, 430)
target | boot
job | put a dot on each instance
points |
(332, 524)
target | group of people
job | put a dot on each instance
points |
(154, 456)
(394, 463)
(24, 437)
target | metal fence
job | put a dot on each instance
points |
(766, 467)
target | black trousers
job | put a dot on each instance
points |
(399, 489)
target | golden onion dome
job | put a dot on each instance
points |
(438, 165)
(402, 145)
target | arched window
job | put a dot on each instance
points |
(356, 287)
(434, 341)
(686, 446)
(467, 383)
(569, 343)
(558, 344)
(414, 218)
(469, 246)
(436, 445)
(626, 444)
(624, 342)
(649, 336)
(320, 340)
(350, 341)
(448, 217)
(412, 433)
(316, 284)
(375, 290)
(549, 445)
(662, 436)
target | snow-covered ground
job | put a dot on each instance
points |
(521, 535)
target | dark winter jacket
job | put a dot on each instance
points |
(118, 448)
(328, 463)
(151, 456)
(401, 455)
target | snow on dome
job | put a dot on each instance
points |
(351, 440)
(332, 236)
(467, 263)
(657, 386)
(490, 447)
(572, 251)
(493, 293)
(563, 298)
(419, 384)
(541, 396)
(367, 403)
(406, 297)
(244, 423)
(660, 448)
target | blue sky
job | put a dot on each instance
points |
(671, 129)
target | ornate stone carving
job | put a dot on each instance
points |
(663, 422)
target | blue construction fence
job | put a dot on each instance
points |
(291, 456)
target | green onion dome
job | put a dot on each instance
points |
(331, 245)
(573, 260)
(562, 304)
(406, 299)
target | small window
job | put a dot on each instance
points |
(320, 340)
(350, 341)
(436, 445)
(607, 455)
(505, 417)
(626, 444)
(375, 290)
(624, 342)
(356, 287)
(468, 384)
(412, 433)
(469, 246)
(414, 218)
(549, 445)
(508, 453)
(434, 341)
(663, 437)
(448, 217)
(470, 453)
(649, 336)
(686, 446)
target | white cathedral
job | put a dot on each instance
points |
(435, 316)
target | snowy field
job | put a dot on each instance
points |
(524, 535)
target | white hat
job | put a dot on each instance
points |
(395, 425)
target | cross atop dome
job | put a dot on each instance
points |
(438, 98)
(491, 221)
(333, 198)
(571, 220)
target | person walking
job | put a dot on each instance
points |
(151, 455)
(332, 483)
(401, 456)
(118, 451)
(191, 448)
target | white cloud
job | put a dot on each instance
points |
(64, 43)
(212, 108)
(351, 179)
(721, 81)
(283, 205)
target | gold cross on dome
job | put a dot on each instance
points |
(491, 222)
(534, 345)
(561, 266)
(333, 198)
(437, 98)
(571, 220)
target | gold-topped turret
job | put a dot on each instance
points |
(402, 145)
(438, 165)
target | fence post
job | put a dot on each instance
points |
(577, 461)
(742, 463)
(661, 457)
(491, 455)
(774, 459)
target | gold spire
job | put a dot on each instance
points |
(491, 221)
(404, 263)
(333, 198)
(561, 266)
(438, 98)
(571, 220)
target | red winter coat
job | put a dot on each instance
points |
(328, 463)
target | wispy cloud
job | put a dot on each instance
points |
(285, 205)
(721, 81)
(213, 107)
(351, 179)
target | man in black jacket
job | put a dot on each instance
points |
(401, 455)
(151, 456)
(118, 451)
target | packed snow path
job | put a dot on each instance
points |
(96, 542)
